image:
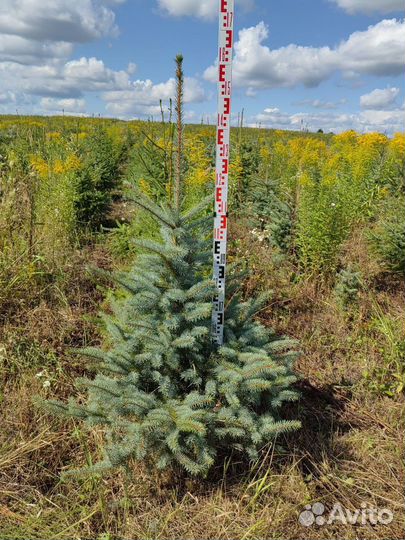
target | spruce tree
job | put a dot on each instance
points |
(163, 391)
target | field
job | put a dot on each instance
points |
(317, 222)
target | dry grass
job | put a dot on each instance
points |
(349, 450)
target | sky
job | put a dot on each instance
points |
(298, 64)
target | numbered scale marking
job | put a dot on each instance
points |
(226, 36)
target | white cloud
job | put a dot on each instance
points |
(143, 97)
(256, 66)
(67, 105)
(36, 32)
(24, 51)
(68, 80)
(59, 20)
(320, 104)
(370, 6)
(7, 97)
(92, 74)
(363, 122)
(387, 121)
(380, 50)
(274, 117)
(63, 86)
(251, 92)
(377, 51)
(206, 9)
(379, 99)
(199, 8)
(37, 40)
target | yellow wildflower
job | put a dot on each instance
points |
(397, 144)
(39, 165)
(265, 153)
(373, 140)
(305, 180)
(346, 138)
(72, 163)
(58, 167)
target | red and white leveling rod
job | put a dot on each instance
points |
(226, 17)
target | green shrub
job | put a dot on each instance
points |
(164, 393)
(322, 227)
(121, 239)
(388, 237)
(244, 164)
(272, 214)
(97, 178)
(347, 288)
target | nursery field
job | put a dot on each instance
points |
(317, 232)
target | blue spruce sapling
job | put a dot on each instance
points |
(163, 391)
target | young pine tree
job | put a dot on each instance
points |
(163, 391)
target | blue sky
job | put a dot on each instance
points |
(331, 64)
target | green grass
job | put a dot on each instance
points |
(350, 449)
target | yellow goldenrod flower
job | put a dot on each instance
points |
(39, 165)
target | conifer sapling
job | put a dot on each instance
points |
(163, 391)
